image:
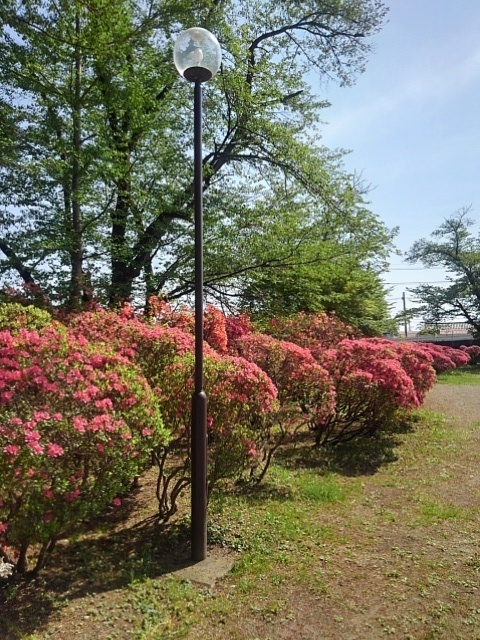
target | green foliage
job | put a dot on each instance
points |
(153, 601)
(462, 375)
(435, 511)
(455, 247)
(97, 187)
(324, 489)
(315, 258)
(15, 316)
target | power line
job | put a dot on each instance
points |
(414, 268)
(418, 282)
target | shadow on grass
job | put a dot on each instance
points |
(361, 456)
(114, 550)
(109, 554)
(473, 369)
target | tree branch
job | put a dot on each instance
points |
(17, 263)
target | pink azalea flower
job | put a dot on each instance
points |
(54, 450)
(12, 449)
(72, 495)
(79, 423)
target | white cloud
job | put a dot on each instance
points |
(442, 82)
(433, 82)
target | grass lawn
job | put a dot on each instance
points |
(375, 539)
(462, 375)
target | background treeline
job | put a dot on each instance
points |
(96, 171)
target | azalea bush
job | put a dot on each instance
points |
(473, 352)
(305, 389)
(15, 316)
(150, 344)
(164, 352)
(314, 331)
(445, 358)
(459, 357)
(77, 424)
(371, 388)
(29, 294)
(309, 382)
(80, 402)
(237, 326)
(415, 360)
(241, 404)
(215, 329)
(161, 312)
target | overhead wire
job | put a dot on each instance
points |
(418, 282)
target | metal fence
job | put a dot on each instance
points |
(441, 328)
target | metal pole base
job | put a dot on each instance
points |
(199, 477)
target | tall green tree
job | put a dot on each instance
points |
(291, 254)
(97, 190)
(456, 247)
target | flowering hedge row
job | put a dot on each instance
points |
(76, 424)
(473, 352)
(372, 386)
(83, 403)
(446, 358)
(305, 389)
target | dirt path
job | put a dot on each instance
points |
(457, 402)
(404, 558)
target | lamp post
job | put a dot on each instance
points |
(197, 57)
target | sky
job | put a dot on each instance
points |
(412, 125)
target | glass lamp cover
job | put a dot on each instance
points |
(197, 55)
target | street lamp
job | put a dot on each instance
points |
(197, 57)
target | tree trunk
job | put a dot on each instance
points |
(122, 276)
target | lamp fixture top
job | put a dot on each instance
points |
(197, 55)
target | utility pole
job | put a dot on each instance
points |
(405, 315)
